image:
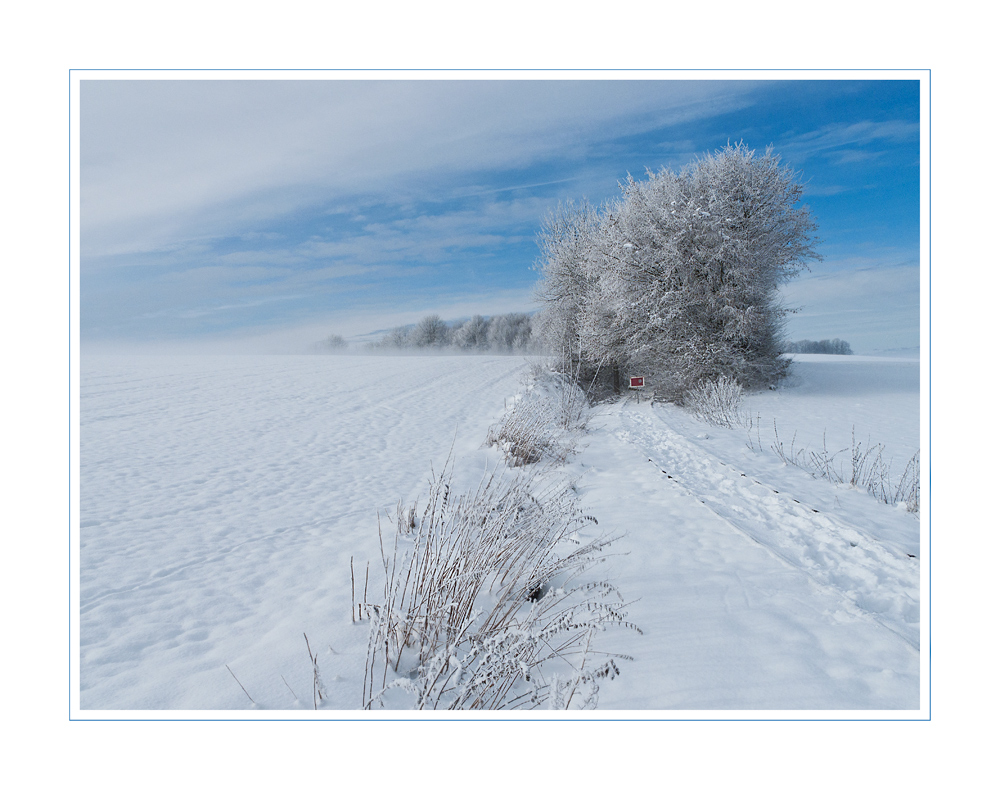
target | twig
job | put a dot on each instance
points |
(317, 687)
(241, 685)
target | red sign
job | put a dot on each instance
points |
(636, 382)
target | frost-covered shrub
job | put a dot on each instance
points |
(540, 423)
(484, 605)
(718, 402)
(430, 331)
(835, 346)
(524, 434)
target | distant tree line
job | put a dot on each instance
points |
(508, 333)
(678, 278)
(835, 346)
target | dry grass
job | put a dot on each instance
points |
(540, 423)
(869, 469)
(485, 603)
(718, 402)
(524, 435)
(483, 607)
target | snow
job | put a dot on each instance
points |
(877, 396)
(749, 599)
(223, 498)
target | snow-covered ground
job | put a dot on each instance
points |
(876, 397)
(222, 499)
(761, 586)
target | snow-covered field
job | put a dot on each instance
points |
(222, 499)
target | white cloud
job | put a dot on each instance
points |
(831, 140)
(166, 161)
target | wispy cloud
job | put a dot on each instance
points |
(850, 142)
(211, 206)
(826, 190)
(164, 160)
(480, 191)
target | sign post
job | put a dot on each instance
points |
(636, 383)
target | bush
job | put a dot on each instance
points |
(540, 423)
(482, 607)
(523, 435)
(718, 402)
(835, 346)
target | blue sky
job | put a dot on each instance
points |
(268, 214)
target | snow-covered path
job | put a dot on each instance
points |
(878, 579)
(749, 598)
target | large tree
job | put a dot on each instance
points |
(678, 278)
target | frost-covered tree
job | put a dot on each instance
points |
(509, 332)
(678, 279)
(473, 335)
(430, 331)
(638, 304)
(754, 237)
(395, 338)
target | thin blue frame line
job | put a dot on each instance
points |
(930, 395)
(69, 392)
(463, 721)
(521, 69)
(929, 400)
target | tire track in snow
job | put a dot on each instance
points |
(875, 580)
